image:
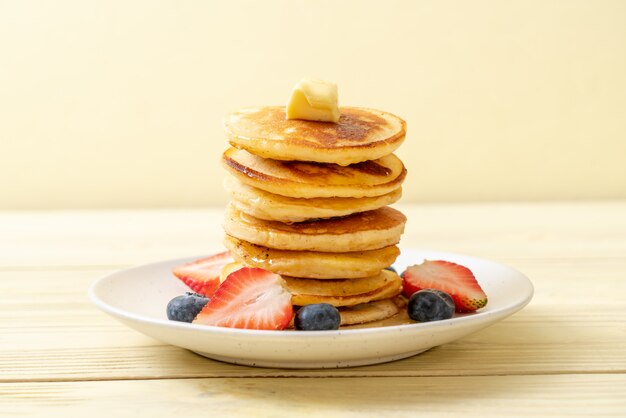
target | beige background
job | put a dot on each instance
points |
(119, 103)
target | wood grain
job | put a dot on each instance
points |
(514, 347)
(519, 230)
(56, 334)
(563, 355)
(484, 396)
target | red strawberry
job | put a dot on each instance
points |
(249, 298)
(454, 279)
(203, 276)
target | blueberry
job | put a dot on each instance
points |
(184, 308)
(317, 317)
(390, 268)
(430, 305)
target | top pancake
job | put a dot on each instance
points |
(360, 135)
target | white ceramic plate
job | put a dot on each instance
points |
(138, 297)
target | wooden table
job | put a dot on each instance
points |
(563, 355)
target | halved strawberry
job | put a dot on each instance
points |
(456, 280)
(203, 276)
(249, 298)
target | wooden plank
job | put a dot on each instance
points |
(50, 331)
(520, 230)
(598, 281)
(479, 396)
(88, 238)
(578, 281)
(525, 344)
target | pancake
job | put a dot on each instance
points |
(339, 287)
(375, 310)
(312, 180)
(359, 135)
(330, 287)
(269, 206)
(312, 264)
(393, 287)
(357, 232)
(369, 312)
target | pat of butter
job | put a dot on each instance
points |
(314, 100)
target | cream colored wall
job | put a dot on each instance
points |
(119, 103)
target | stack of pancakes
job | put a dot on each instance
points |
(309, 202)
